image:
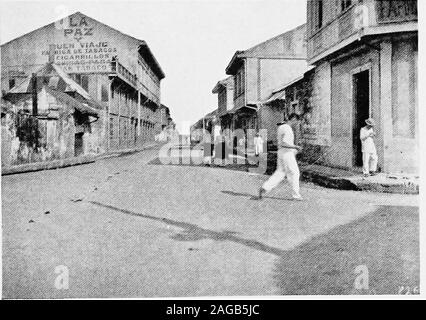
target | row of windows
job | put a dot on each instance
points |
(129, 129)
(149, 79)
(83, 80)
(319, 8)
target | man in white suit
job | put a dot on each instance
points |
(286, 160)
(369, 153)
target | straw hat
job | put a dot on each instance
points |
(370, 122)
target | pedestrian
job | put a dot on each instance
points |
(369, 153)
(258, 144)
(221, 150)
(208, 148)
(286, 160)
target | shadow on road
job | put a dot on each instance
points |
(252, 197)
(386, 242)
(192, 232)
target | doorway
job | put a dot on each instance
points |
(78, 144)
(361, 94)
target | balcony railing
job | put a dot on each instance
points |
(122, 72)
(369, 14)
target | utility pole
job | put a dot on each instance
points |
(34, 93)
(34, 120)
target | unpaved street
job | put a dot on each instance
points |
(126, 228)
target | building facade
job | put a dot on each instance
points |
(225, 103)
(48, 117)
(365, 56)
(258, 71)
(116, 69)
(284, 101)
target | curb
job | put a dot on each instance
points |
(356, 184)
(327, 181)
(63, 163)
(55, 164)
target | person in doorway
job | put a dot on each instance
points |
(369, 153)
(286, 160)
(258, 144)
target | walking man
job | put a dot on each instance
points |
(369, 153)
(286, 160)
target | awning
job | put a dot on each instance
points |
(82, 107)
(280, 95)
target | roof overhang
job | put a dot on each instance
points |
(235, 63)
(360, 35)
(146, 53)
(224, 83)
(217, 87)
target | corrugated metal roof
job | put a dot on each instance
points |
(74, 103)
(279, 95)
(53, 77)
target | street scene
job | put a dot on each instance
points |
(208, 157)
(195, 232)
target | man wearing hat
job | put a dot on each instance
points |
(286, 160)
(369, 153)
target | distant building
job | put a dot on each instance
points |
(114, 68)
(225, 102)
(365, 56)
(207, 124)
(261, 69)
(165, 118)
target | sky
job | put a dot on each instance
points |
(193, 40)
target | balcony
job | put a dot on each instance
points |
(119, 70)
(371, 17)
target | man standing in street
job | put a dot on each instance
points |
(286, 160)
(369, 153)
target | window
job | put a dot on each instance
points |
(239, 82)
(320, 14)
(104, 92)
(85, 82)
(111, 127)
(82, 80)
(11, 83)
(77, 78)
(125, 129)
(345, 4)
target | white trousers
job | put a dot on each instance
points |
(369, 162)
(286, 167)
(258, 149)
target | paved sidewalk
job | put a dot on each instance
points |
(349, 180)
(331, 177)
(74, 161)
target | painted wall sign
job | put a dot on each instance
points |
(79, 48)
(83, 56)
(75, 27)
